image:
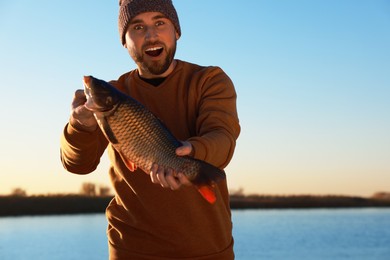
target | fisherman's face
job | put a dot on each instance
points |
(151, 42)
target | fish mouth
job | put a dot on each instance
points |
(93, 105)
(90, 105)
(91, 102)
(154, 51)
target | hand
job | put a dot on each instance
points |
(81, 118)
(167, 177)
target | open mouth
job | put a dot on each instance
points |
(154, 51)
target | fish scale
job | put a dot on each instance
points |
(149, 141)
(141, 139)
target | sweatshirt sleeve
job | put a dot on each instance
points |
(81, 151)
(217, 123)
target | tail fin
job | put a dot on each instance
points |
(206, 179)
(208, 193)
(208, 174)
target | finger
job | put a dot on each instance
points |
(161, 177)
(153, 173)
(83, 112)
(172, 180)
(79, 94)
(79, 98)
(182, 178)
(83, 116)
(185, 149)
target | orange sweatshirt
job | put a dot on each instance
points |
(146, 221)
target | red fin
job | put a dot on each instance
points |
(207, 193)
(130, 165)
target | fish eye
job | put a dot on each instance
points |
(108, 100)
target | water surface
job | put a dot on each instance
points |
(259, 234)
(312, 234)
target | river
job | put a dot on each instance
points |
(259, 234)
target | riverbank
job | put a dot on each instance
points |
(78, 204)
(304, 202)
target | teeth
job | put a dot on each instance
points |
(154, 49)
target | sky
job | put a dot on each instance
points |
(312, 79)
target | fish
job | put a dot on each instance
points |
(142, 139)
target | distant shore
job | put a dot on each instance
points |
(304, 201)
(79, 204)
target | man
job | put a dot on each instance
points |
(170, 220)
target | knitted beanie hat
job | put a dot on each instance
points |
(128, 9)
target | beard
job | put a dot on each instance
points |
(154, 67)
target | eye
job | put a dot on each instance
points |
(159, 23)
(138, 27)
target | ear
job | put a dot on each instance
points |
(177, 35)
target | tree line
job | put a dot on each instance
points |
(88, 189)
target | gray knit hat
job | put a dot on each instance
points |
(128, 9)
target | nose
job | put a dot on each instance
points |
(151, 32)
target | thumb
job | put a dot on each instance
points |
(185, 149)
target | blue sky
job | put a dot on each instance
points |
(312, 77)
